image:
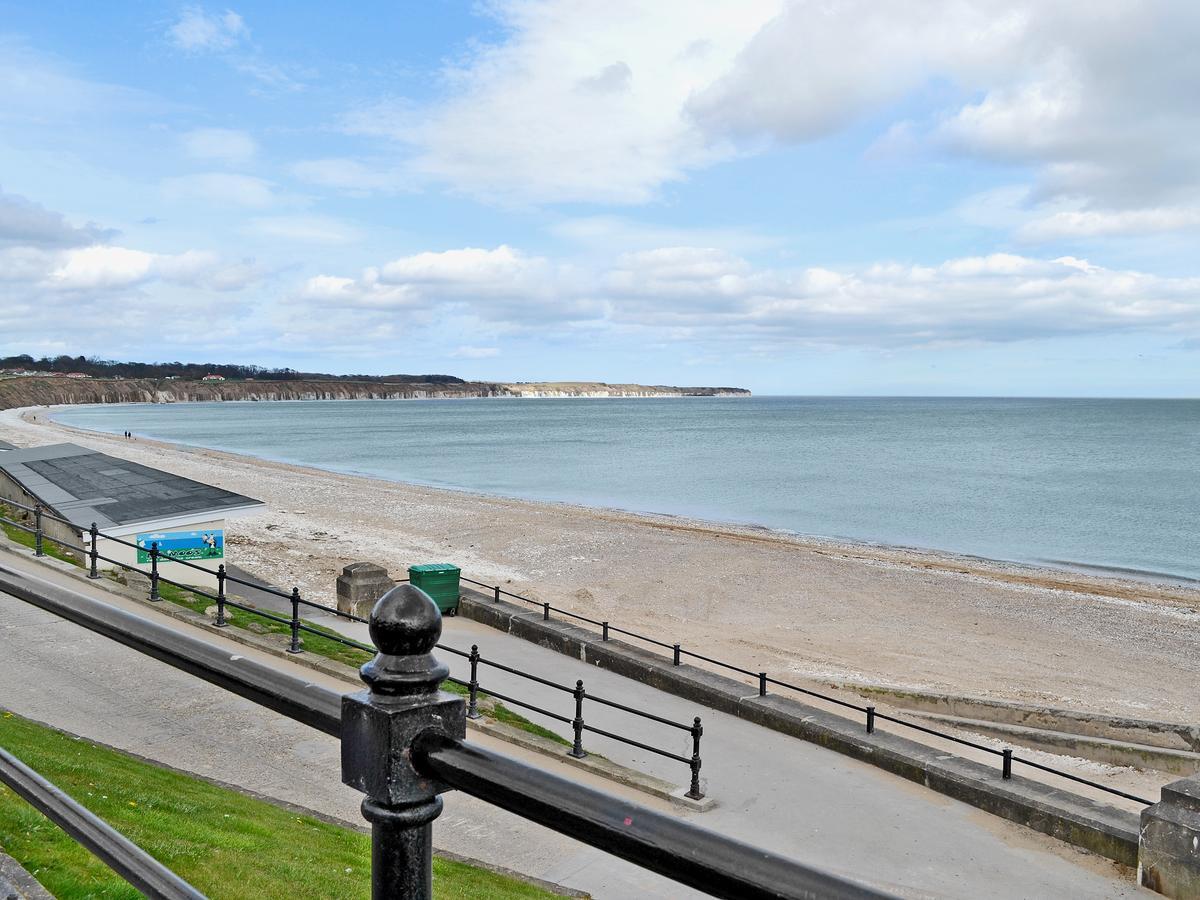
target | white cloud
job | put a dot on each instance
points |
(102, 268)
(23, 223)
(581, 102)
(220, 144)
(600, 104)
(1096, 223)
(220, 189)
(198, 30)
(714, 298)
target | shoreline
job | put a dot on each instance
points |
(824, 610)
(1110, 580)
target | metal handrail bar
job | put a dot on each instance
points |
(616, 737)
(665, 844)
(297, 625)
(671, 847)
(640, 637)
(522, 703)
(306, 701)
(537, 678)
(115, 850)
(717, 662)
(870, 711)
(1032, 764)
(801, 690)
(637, 712)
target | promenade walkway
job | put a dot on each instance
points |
(789, 796)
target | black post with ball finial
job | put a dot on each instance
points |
(379, 727)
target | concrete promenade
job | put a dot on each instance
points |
(796, 798)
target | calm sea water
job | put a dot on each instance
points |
(1107, 483)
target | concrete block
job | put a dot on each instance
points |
(1169, 848)
(359, 586)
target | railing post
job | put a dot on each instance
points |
(870, 720)
(37, 530)
(675, 656)
(379, 728)
(546, 612)
(577, 750)
(94, 553)
(694, 789)
(1006, 770)
(604, 632)
(221, 623)
(497, 598)
(154, 571)
(473, 700)
(762, 684)
(294, 646)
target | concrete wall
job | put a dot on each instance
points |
(166, 568)
(11, 490)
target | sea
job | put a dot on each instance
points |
(1111, 486)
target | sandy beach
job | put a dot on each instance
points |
(813, 609)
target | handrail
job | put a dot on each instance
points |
(115, 850)
(665, 844)
(298, 626)
(672, 847)
(872, 716)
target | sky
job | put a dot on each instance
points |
(810, 197)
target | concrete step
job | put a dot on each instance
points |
(1105, 750)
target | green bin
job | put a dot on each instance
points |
(439, 581)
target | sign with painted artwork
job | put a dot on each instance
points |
(189, 545)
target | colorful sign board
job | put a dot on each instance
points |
(189, 545)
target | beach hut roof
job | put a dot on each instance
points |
(84, 486)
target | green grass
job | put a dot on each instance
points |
(333, 649)
(224, 843)
(26, 539)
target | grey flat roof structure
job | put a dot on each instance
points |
(85, 486)
(5, 445)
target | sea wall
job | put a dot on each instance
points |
(18, 392)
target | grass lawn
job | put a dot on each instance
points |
(224, 843)
(26, 539)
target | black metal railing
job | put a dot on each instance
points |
(296, 626)
(1006, 755)
(115, 850)
(403, 743)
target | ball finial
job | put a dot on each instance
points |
(405, 626)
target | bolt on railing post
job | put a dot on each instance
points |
(94, 552)
(577, 750)
(675, 657)
(1006, 770)
(37, 532)
(294, 646)
(473, 697)
(154, 571)
(497, 600)
(380, 727)
(762, 684)
(694, 791)
(221, 623)
(870, 720)
(604, 632)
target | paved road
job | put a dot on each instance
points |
(794, 797)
